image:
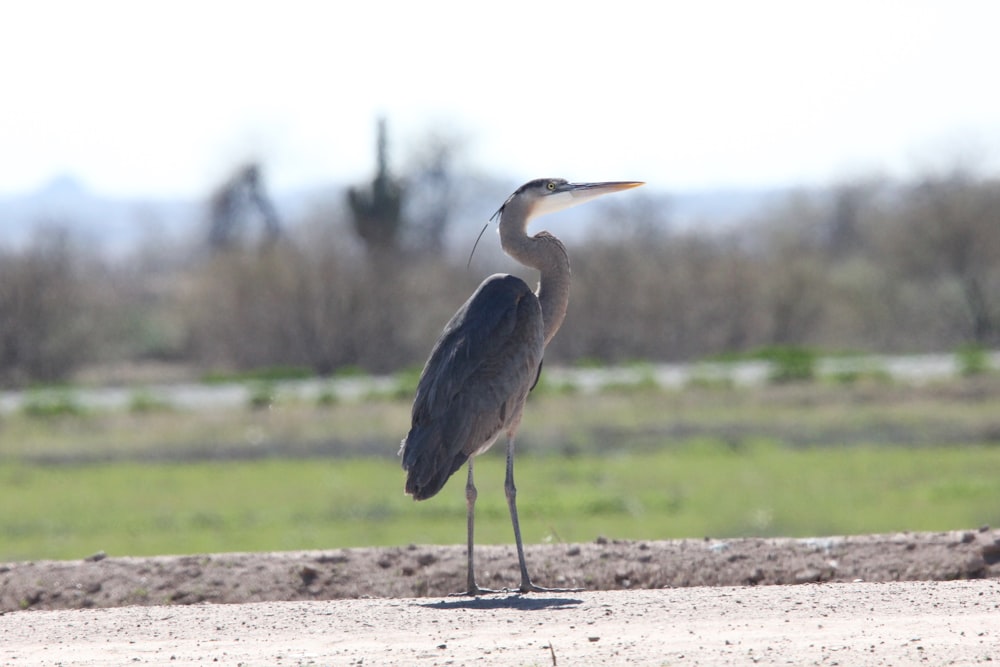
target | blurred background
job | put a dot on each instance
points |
(279, 201)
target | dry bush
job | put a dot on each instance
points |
(48, 323)
(870, 265)
(945, 239)
(658, 297)
(320, 305)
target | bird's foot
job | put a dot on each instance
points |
(528, 587)
(476, 591)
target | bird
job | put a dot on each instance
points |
(489, 357)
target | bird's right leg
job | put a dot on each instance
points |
(470, 506)
(511, 492)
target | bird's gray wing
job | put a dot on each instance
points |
(474, 383)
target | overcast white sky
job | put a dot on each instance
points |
(164, 98)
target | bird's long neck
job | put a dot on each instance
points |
(543, 252)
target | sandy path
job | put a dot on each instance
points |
(859, 623)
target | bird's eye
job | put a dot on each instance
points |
(551, 185)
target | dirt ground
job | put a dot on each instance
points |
(925, 598)
(897, 623)
(421, 571)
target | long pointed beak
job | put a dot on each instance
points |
(567, 195)
(584, 192)
(607, 187)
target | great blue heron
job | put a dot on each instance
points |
(489, 356)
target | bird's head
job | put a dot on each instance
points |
(548, 195)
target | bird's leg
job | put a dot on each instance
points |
(470, 506)
(511, 492)
(470, 518)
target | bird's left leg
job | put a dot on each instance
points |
(511, 492)
(470, 509)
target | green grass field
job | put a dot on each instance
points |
(640, 463)
(692, 490)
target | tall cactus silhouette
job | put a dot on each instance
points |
(377, 211)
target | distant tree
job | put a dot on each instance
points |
(47, 323)
(377, 211)
(851, 203)
(432, 190)
(788, 249)
(234, 203)
(949, 229)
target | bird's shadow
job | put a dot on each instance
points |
(520, 602)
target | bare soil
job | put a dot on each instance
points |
(895, 623)
(417, 571)
(692, 602)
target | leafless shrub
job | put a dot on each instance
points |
(945, 237)
(320, 306)
(46, 324)
(873, 266)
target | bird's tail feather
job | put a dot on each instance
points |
(427, 462)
